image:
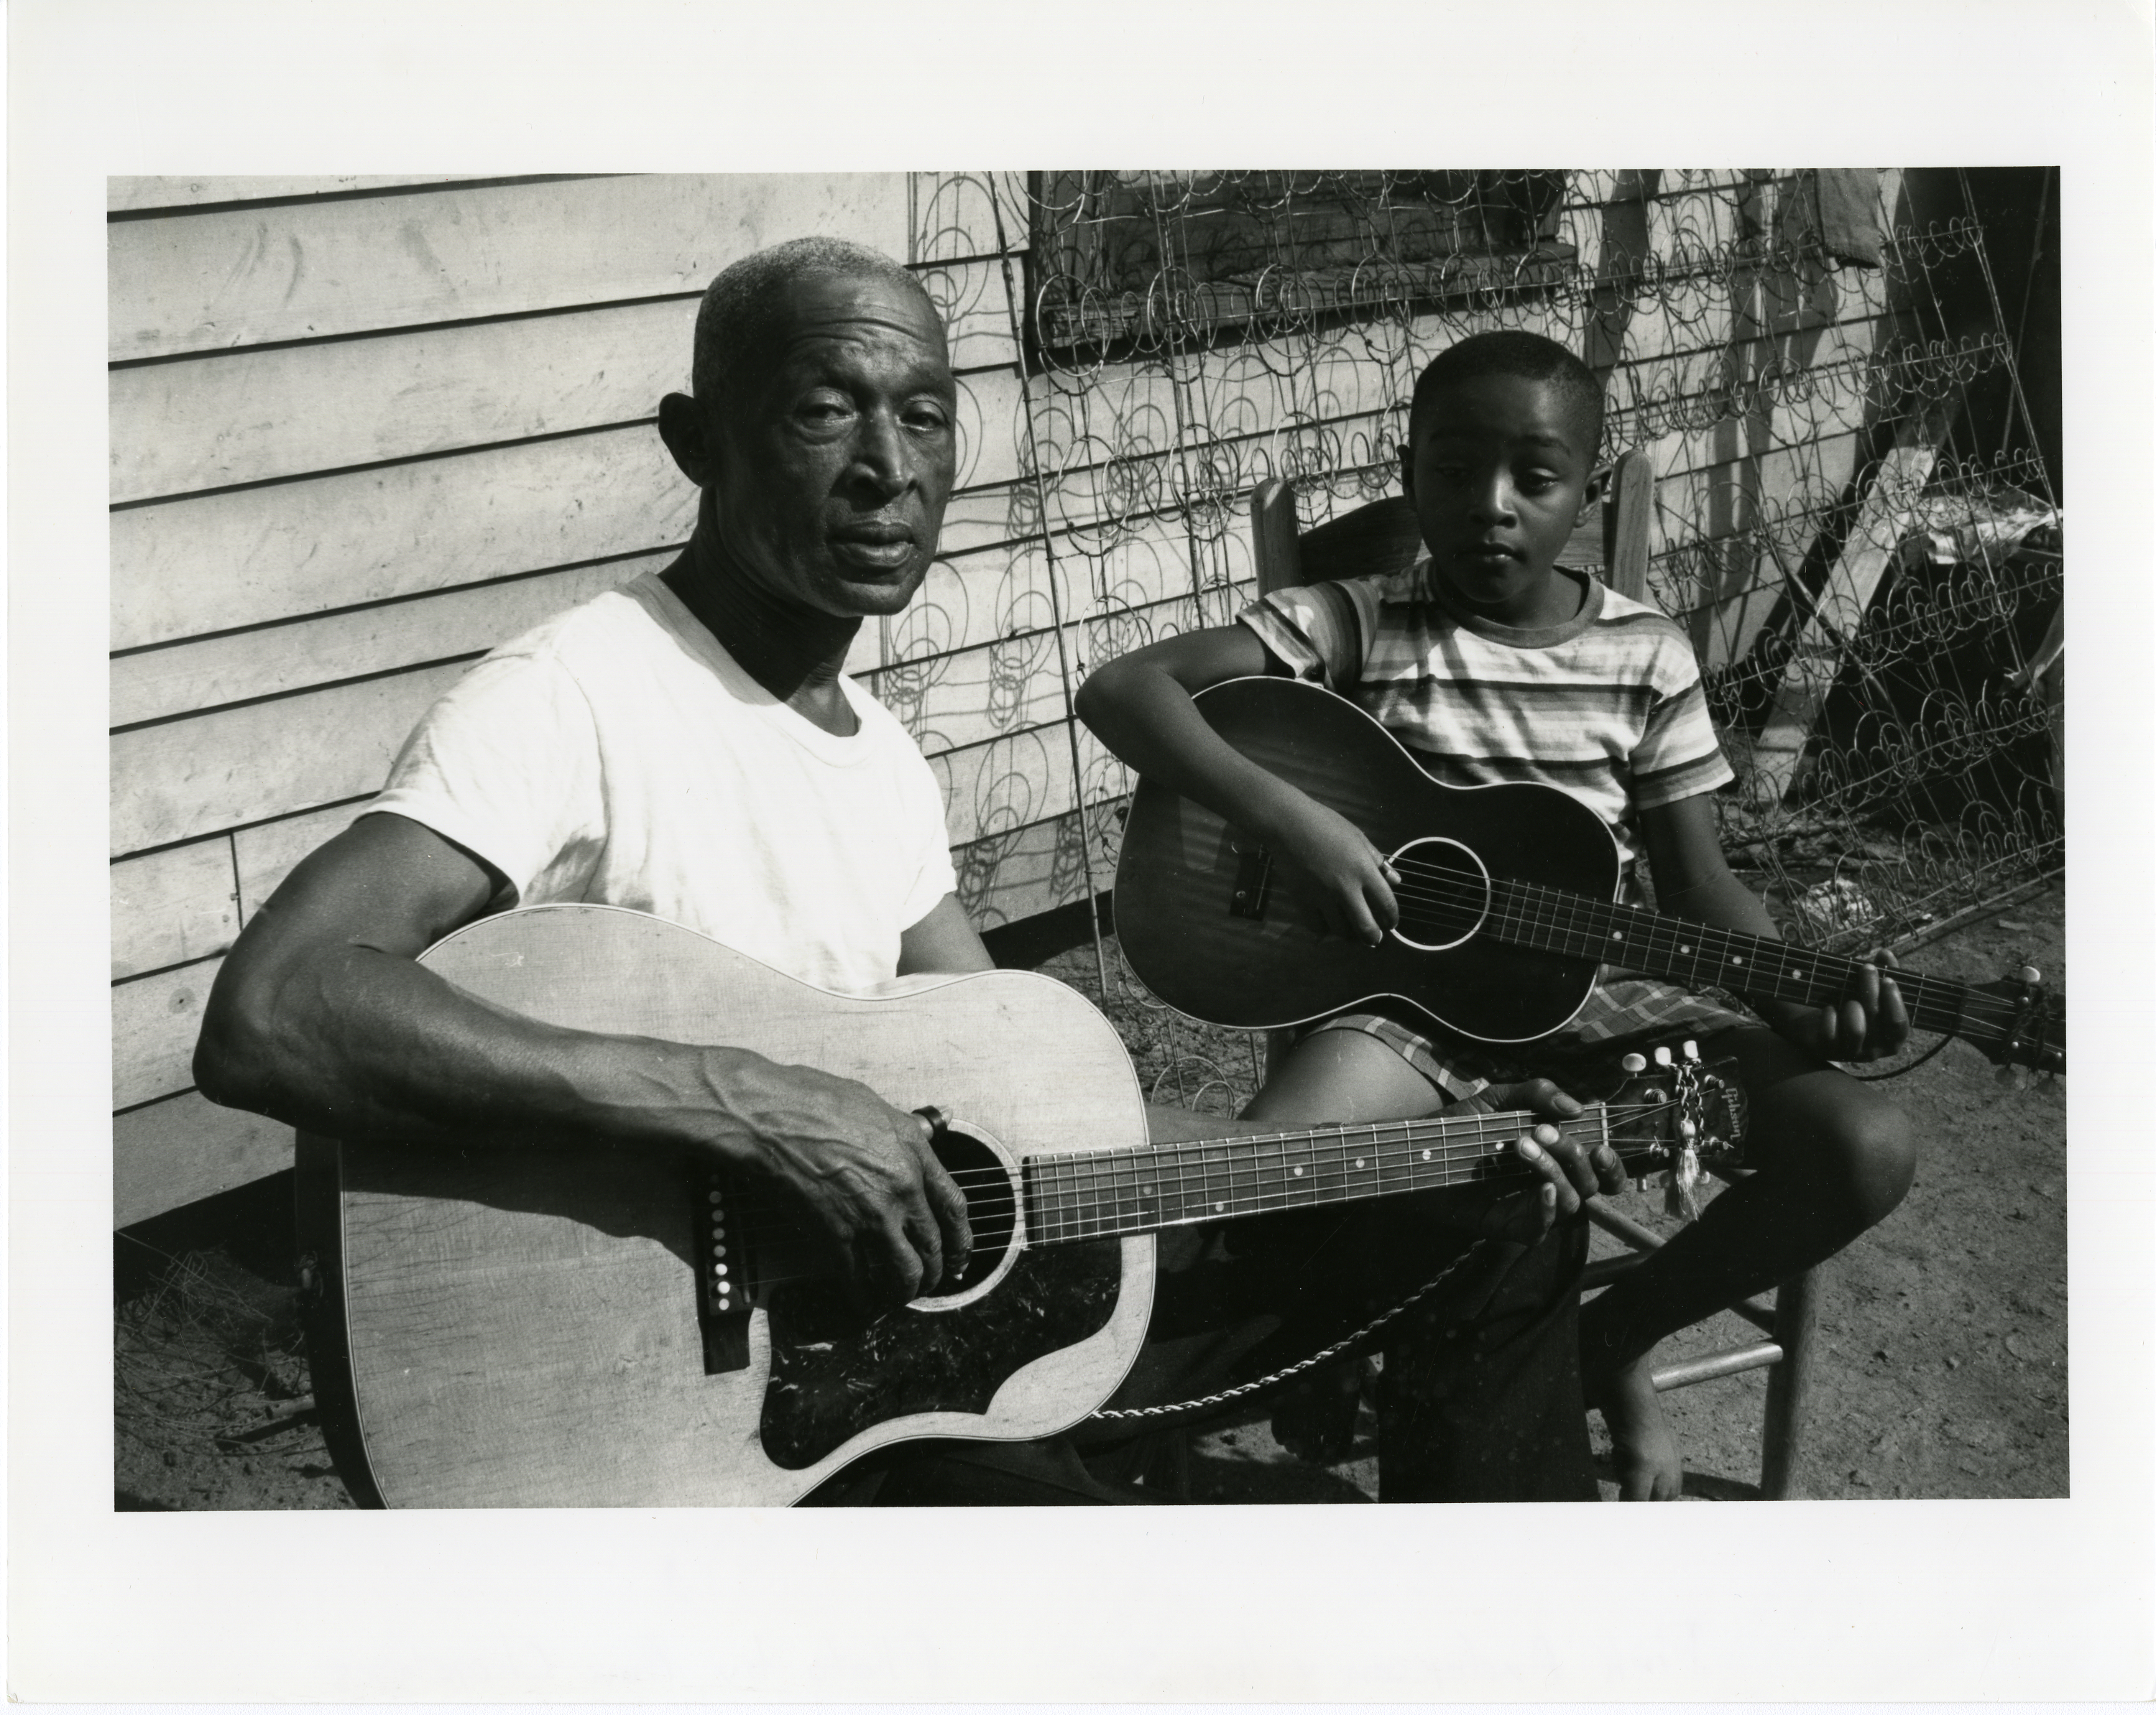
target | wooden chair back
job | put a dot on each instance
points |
(1383, 536)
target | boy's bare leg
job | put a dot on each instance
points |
(1833, 1158)
(1342, 1076)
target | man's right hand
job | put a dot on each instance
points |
(1347, 880)
(892, 1213)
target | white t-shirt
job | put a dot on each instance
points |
(616, 754)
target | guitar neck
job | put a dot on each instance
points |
(1113, 1193)
(1698, 954)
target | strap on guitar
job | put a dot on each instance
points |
(1351, 1343)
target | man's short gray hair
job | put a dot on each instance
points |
(740, 306)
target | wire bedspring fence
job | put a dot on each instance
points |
(1854, 521)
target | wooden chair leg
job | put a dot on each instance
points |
(1788, 1383)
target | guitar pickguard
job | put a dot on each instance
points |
(833, 1375)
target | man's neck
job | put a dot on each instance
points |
(794, 653)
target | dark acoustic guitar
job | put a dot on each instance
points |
(1508, 903)
(560, 1325)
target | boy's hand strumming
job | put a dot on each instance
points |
(1346, 878)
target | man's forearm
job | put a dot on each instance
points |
(362, 1043)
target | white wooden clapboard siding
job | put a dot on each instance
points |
(229, 560)
(249, 416)
(155, 1020)
(303, 271)
(976, 318)
(134, 195)
(186, 1146)
(173, 906)
(952, 217)
(184, 778)
(237, 666)
(220, 561)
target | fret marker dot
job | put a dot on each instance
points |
(1298, 1173)
(1425, 1154)
(1735, 959)
(1616, 935)
(1684, 949)
(1358, 1162)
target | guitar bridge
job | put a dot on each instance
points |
(722, 1279)
(1254, 881)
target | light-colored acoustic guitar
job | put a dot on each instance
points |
(553, 1325)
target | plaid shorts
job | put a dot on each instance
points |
(1623, 1014)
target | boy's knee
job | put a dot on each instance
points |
(1871, 1149)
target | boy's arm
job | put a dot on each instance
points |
(1140, 706)
(1693, 880)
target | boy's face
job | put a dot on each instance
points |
(1499, 473)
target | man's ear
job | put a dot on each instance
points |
(683, 427)
(1598, 485)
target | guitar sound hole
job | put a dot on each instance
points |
(1444, 893)
(991, 1205)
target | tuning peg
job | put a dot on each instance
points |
(1634, 1063)
(1662, 1054)
(1692, 1052)
(2029, 976)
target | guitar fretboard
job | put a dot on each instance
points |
(1108, 1193)
(1526, 915)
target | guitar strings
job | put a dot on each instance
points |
(1521, 905)
(1406, 1150)
(1043, 1232)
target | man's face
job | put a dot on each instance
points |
(1498, 475)
(831, 477)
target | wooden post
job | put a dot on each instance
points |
(1788, 1383)
(1888, 508)
(1628, 522)
(1273, 536)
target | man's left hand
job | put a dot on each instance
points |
(1568, 1170)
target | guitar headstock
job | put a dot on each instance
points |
(2018, 1022)
(1678, 1101)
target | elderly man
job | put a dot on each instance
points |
(689, 747)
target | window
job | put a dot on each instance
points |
(1125, 262)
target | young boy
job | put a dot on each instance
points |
(1491, 663)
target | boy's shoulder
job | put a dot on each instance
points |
(1633, 617)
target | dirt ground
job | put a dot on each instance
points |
(1942, 1343)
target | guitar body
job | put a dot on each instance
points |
(1217, 958)
(535, 1326)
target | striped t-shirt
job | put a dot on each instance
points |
(1607, 706)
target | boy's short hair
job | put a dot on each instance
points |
(1514, 352)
